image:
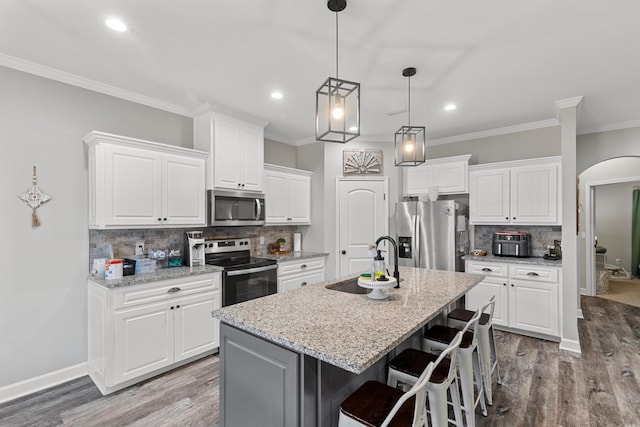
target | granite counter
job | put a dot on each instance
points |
(515, 260)
(295, 256)
(160, 274)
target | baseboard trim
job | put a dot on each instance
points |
(32, 385)
(570, 345)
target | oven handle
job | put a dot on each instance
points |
(251, 270)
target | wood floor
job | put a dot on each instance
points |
(541, 385)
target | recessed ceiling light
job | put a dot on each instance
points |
(116, 25)
(450, 107)
(277, 95)
(353, 128)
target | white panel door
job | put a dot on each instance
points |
(196, 330)
(534, 195)
(133, 186)
(418, 179)
(276, 197)
(300, 199)
(183, 190)
(252, 158)
(363, 216)
(143, 341)
(533, 306)
(227, 158)
(480, 294)
(489, 196)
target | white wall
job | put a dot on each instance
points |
(613, 220)
(596, 147)
(43, 306)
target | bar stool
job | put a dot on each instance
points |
(439, 337)
(486, 342)
(407, 367)
(377, 404)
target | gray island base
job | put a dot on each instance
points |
(290, 359)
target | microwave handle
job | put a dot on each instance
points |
(258, 209)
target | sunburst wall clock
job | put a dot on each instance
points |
(361, 162)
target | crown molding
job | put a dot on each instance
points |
(74, 80)
(495, 132)
(569, 102)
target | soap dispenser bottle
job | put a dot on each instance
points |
(378, 266)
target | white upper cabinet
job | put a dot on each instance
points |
(236, 151)
(141, 184)
(521, 192)
(448, 174)
(287, 195)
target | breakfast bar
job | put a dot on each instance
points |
(291, 358)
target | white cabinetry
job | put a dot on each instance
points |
(236, 151)
(527, 296)
(138, 331)
(287, 195)
(521, 192)
(296, 274)
(142, 184)
(448, 174)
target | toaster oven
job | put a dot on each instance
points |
(511, 243)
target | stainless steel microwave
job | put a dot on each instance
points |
(234, 208)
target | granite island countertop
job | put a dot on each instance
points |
(294, 256)
(350, 331)
(515, 260)
(159, 274)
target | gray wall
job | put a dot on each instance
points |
(43, 304)
(543, 142)
(311, 157)
(613, 220)
(596, 147)
(277, 153)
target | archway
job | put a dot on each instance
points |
(611, 171)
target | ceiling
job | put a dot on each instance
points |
(503, 62)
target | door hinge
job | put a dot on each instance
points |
(384, 196)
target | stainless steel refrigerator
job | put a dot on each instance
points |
(431, 235)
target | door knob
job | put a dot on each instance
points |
(344, 252)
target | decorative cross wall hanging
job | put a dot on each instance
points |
(34, 198)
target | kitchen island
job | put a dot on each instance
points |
(291, 358)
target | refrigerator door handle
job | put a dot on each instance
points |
(416, 241)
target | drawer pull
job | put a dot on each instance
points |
(173, 290)
(532, 273)
(303, 284)
(487, 269)
(303, 266)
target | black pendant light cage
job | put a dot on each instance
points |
(410, 141)
(341, 94)
(337, 95)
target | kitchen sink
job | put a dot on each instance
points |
(349, 286)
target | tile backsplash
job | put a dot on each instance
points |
(123, 241)
(541, 236)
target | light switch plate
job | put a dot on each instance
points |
(139, 248)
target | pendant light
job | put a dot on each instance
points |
(337, 101)
(411, 148)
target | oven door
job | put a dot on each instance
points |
(245, 285)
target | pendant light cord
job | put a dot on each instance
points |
(336, 45)
(409, 106)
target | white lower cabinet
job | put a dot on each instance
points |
(296, 274)
(527, 296)
(138, 331)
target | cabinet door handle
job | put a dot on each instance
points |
(171, 307)
(303, 266)
(532, 273)
(514, 217)
(512, 285)
(506, 217)
(159, 219)
(486, 269)
(177, 306)
(303, 284)
(504, 284)
(344, 252)
(172, 290)
(164, 219)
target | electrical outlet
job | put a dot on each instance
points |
(139, 248)
(262, 240)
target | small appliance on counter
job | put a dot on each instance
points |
(555, 251)
(194, 248)
(511, 243)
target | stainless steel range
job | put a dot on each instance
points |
(244, 277)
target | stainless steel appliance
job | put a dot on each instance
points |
(431, 234)
(244, 277)
(511, 243)
(194, 248)
(234, 208)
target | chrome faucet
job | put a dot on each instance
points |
(396, 273)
